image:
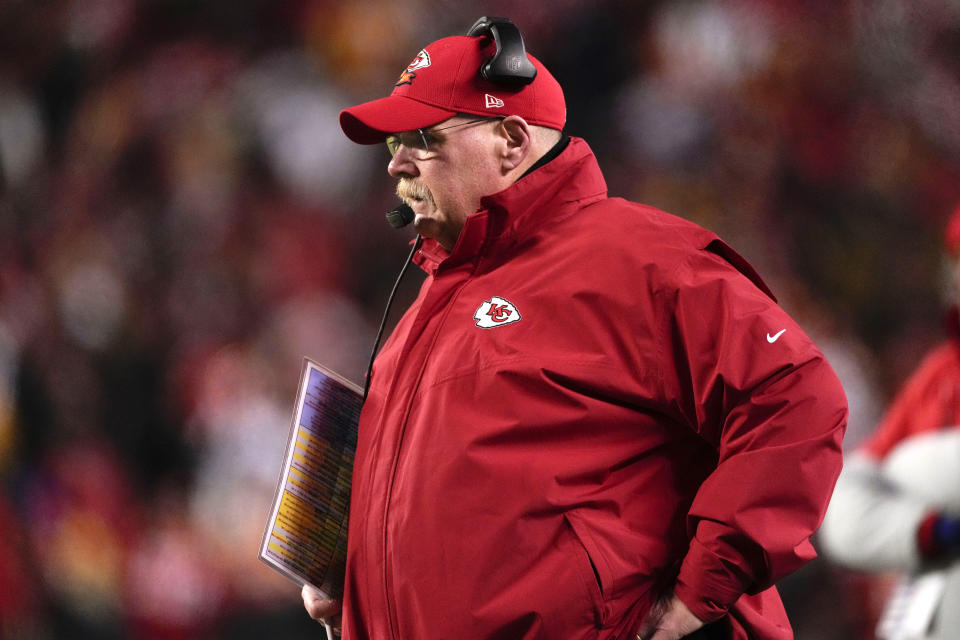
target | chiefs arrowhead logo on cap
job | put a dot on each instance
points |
(496, 312)
(421, 61)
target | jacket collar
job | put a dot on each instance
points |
(572, 178)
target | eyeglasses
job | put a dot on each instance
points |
(420, 141)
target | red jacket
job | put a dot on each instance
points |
(589, 403)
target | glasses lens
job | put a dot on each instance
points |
(393, 143)
(428, 139)
(415, 141)
(421, 141)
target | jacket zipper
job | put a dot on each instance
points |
(403, 429)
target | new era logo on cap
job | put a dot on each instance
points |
(493, 102)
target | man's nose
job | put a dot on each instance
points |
(402, 164)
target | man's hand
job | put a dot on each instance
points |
(669, 620)
(320, 608)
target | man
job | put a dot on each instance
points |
(897, 504)
(594, 421)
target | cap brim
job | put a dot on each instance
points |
(371, 122)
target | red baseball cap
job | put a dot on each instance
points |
(444, 80)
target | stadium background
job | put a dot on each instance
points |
(181, 221)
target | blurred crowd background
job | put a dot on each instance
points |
(182, 221)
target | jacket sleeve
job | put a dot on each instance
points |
(754, 386)
(871, 524)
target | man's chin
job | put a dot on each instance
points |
(424, 225)
(429, 228)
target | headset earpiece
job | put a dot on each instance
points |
(509, 66)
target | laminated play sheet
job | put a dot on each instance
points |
(306, 535)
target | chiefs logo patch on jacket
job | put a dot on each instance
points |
(496, 312)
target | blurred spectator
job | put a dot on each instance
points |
(174, 587)
(20, 602)
(897, 504)
(81, 521)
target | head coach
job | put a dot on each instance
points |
(594, 421)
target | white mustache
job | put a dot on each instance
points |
(410, 189)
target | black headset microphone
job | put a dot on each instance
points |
(508, 67)
(401, 216)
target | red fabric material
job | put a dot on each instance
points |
(18, 597)
(443, 80)
(926, 541)
(951, 235)
(549, 477)
(929, 400)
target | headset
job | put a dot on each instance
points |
(508, 67)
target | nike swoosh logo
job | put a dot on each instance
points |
(773, 338)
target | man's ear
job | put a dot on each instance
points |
(517, 143)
